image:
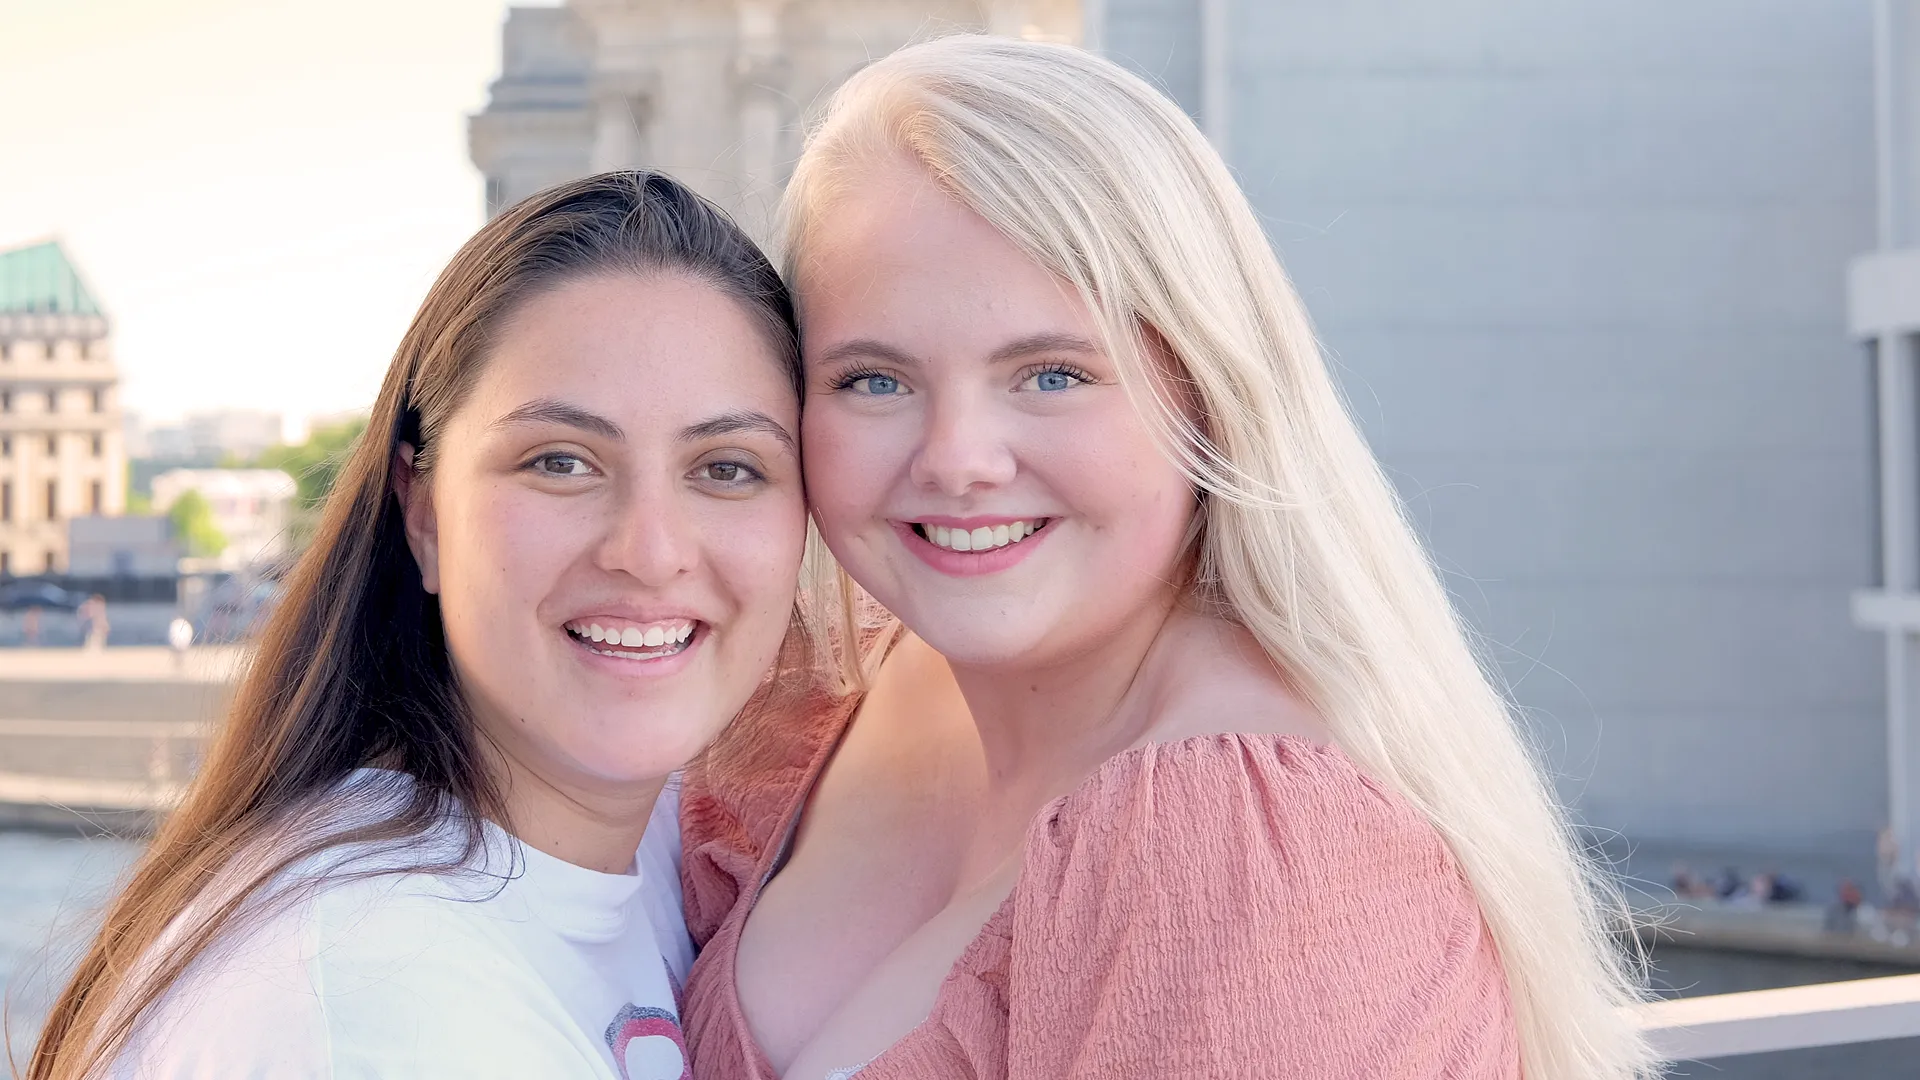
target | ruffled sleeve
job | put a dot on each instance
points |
(1240, 906)
(737, 798)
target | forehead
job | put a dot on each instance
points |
(895, 255)
(635, 348)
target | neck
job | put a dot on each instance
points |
(597, 826)
(1062, 713)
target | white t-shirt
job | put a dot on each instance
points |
(528, 966)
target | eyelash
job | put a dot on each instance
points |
(1058, 369)
(846, 381)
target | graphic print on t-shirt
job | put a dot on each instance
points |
(647, 1044)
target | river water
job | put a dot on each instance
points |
(52, 886)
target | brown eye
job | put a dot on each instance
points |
(735, 475)
(561, 465)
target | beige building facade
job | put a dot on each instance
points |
(716, 92)
(61, 445)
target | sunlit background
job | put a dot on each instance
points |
(1623, 293)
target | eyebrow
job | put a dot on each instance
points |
(1048, 342)
(737, 422)
(552, 411)
(1032, 344)
(870, 349)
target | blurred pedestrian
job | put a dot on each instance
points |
(179, 638)
(1843, 915)
(93, 621)
(30, 627)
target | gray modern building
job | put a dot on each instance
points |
(1582, 267)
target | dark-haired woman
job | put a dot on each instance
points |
(559, 563)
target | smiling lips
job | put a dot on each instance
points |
(984, 538)
(634, 641)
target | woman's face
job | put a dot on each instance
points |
(972, 458)
(614, 524)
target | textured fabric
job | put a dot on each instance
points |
(517, 964)
(1224, 906)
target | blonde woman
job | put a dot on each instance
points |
(1185, 768)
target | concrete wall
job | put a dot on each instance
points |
(1580, 266)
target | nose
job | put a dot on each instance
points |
(961, 448)
(653, 538)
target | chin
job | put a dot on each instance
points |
(961, 646)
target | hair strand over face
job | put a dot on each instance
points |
(1301, 539)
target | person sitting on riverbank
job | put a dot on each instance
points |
(562, 558)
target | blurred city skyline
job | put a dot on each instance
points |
(258, 192)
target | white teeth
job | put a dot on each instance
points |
(659, 635)
(984, 538)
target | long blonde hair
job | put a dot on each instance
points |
(1101, 179)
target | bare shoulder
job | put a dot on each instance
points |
(1214, 679)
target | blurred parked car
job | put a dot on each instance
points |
(235, 609)
(45, 595)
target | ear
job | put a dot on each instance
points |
(416, 509)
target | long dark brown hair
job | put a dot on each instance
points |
(352, 669)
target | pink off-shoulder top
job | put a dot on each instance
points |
(1223, 906)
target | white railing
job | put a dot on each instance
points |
(1794, 1018)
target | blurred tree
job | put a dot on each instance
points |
(193, 526)
(313, 464)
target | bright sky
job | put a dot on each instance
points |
(258, 192)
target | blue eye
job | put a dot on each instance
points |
(877, 385)
(1053, 379)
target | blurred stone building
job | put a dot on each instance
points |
(714, 91)
(1580, 268)
(61, 452)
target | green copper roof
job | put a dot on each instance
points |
(38, 279)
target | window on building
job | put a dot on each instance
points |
(99, 445)
(53, 500)
(50, 566)
(53, 446)
(95, 497)
(53, 401)
(6, 446)
(99, 401)
(6, 563)
(6, 500)
(6, 401)
(53, 349)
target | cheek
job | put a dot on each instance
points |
(847, 460)
(755, 552)
(501, 550)
(1110, 470)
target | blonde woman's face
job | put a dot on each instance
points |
(614, 525)
(971, 456)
